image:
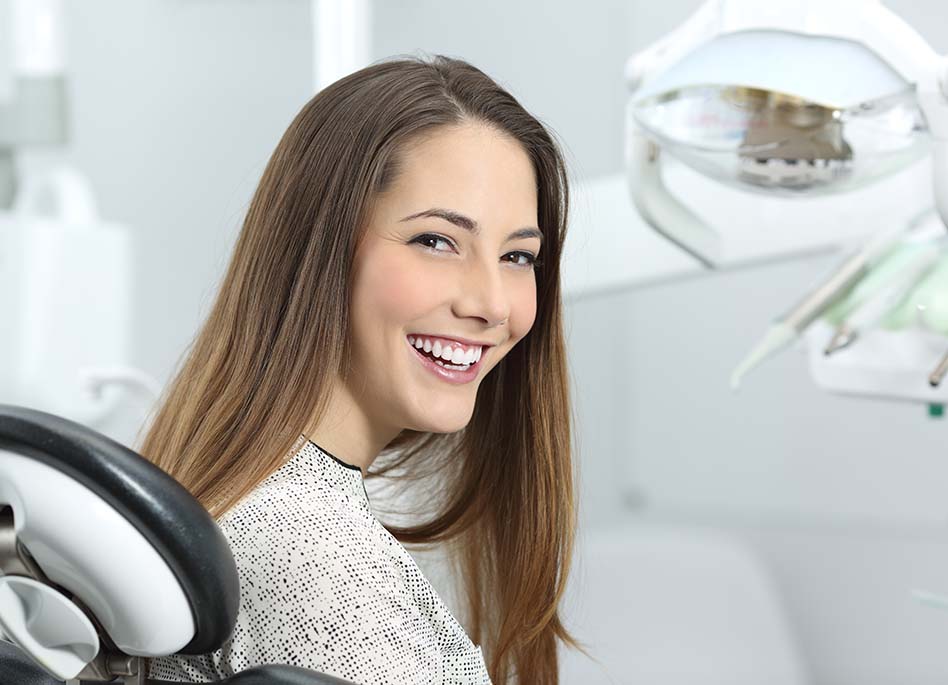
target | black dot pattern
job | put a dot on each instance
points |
(324, 586)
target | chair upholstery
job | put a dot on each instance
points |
(159, 510)
(166, 514)
(16, 668)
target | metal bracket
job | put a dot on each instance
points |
(15, 559)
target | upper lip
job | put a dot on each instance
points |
(456, 338)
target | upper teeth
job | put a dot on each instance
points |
(452, 352)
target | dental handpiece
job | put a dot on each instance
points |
(785, 329)
(939, 373)
(878, 305)
(819, 300)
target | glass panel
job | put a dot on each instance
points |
(779, 144)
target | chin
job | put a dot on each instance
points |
(449, 422)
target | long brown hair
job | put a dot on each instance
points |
(258, 371)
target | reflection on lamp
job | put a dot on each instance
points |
(778, 142)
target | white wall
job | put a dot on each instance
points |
(562, 60)
(176, 106)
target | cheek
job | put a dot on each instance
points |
(523, 311)
(389, 290)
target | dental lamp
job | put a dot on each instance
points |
(789, 99)
(783, 99)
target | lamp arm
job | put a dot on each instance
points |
(660, 209)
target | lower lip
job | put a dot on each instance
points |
(449, 375)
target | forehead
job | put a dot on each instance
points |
(470, 168)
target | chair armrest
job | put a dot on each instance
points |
(280, 674)
(271, 674)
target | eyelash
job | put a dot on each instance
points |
(533, 263)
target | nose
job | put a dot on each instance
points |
(483, 292)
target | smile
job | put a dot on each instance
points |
(457, 364)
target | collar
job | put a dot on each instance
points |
(341, 476)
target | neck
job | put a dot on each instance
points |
(348, 431)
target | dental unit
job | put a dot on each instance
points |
(741, 93)
(62, 266)
(33, 99)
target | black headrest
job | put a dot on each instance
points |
(166, 514)
(16, 668)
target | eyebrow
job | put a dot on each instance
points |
(469, 224)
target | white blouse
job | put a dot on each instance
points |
(325, 586)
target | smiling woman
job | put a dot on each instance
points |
(458, 286)
(385, 308)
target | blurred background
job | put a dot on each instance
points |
(769, 535)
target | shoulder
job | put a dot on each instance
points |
(318, 591)
(286, 520)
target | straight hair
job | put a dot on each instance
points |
(259, 369)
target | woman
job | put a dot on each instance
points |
(387, 298)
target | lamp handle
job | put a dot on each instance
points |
(660, 209)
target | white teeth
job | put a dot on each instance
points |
(452, 355)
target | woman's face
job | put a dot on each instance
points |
(445, 263)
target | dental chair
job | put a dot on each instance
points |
(107, 560)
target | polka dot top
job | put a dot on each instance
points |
(324, 586)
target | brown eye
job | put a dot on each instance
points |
(532, 260)
(428, 240)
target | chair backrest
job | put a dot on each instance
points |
(119, 548)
